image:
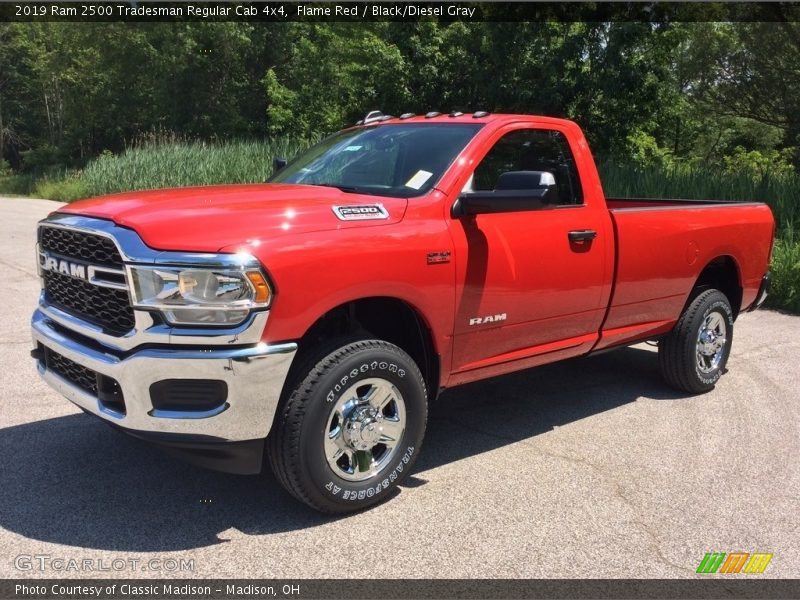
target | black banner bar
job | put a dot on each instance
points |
(354, 12)
(714, 587)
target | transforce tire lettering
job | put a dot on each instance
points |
(372, 491)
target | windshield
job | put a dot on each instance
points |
(403, 160)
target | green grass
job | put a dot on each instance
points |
(186, 163)
(178, 163)
(66, 189)
(782, 193)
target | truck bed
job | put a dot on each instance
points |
(663, 245)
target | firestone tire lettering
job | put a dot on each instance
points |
(296, 448)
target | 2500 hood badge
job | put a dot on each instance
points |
(360, 212)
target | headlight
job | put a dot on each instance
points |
(199, 296)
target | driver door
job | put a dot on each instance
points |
(526, 285)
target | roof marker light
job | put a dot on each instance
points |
(373, 115)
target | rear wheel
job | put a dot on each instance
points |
(351, 428)
(693, 356)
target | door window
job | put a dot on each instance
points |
(532, 150)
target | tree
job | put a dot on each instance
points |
(334, 74)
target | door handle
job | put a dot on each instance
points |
(581, 236)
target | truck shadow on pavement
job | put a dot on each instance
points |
(74, 481)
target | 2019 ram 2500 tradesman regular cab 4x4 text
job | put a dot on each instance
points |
(311, 319)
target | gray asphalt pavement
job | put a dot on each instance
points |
(588, 468)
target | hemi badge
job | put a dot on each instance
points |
(435, 258)
(360, 212)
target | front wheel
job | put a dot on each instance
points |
(693, 356)
(351, 430)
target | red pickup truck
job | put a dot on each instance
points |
(312, 319)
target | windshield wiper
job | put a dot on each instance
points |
(348, 189)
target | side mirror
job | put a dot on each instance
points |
(516, 191)
(278, 164)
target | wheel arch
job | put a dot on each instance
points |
(723, 273)
(384, 317)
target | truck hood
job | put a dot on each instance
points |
(209, 218)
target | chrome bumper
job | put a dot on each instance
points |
(254, 374)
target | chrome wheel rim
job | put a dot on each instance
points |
(364, 429)
(711, 342)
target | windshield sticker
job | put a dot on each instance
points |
(353, 148)
(360, 212)
(419, 179)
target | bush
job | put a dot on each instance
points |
(42, 159)
(785, 291)
(16, 185)
(63, 190)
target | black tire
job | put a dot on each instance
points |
(296, 445)
(679, 353)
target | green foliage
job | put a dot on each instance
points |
(361, 70)
(150, 166)
(644, 150)
(694, 109)
(16, 185)
(68, 189)
(42, 159)
(760, 164)
(785, 290)
(12, 183)
(84, 87)
(781, 192)
(654, 93)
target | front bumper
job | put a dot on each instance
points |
(254, 375)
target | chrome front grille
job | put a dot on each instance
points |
(79, 245)
(102, 305)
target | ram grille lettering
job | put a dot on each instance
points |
(94, 274)
(64, 267)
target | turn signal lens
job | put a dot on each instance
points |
(260, 285)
